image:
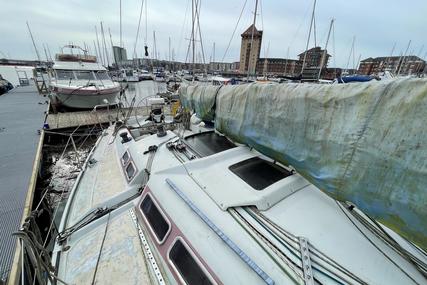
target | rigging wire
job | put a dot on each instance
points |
(137, 31)
(262, 17)
(235, 28)
(303, 20)
(146, 22)
(184, 24)
(199, 4)
(192, 37)
(374, 245)
(102, 246)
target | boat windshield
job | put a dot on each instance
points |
(102, 75)
(84, 75)
(64, 74)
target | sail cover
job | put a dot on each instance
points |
(365, 142)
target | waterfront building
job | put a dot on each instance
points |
(250, 49)
(279, 66)
(119, 54)
(407, 65)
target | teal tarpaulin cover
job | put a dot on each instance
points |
(365, 142)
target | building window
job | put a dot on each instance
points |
(259, 173)
(157, 222)
(186, 264)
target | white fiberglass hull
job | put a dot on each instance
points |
(87, 99)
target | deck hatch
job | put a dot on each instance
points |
(155, 219)
(208, 143)
(186, 265)
(259, 173)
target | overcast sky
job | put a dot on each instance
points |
(376, 24)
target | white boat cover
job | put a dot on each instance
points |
(363, 142)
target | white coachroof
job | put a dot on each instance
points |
(74, 65)
(243, 194)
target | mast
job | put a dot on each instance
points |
(105, 44)
(137, 31)
(112, 48)
(286, 64)
(351, 52)
(266, 62)
(45, 53)
(96, 51)
(322, 61)
(99, 47)
(155, 46)
(403, 58)
(199, 3)
(417, 70)
(252, 39)
(309, 35)
(48, 50)
(391, 54)
(356, 66)
(121, 42)
(193, 17)
(169, 55)
(34, 43)
(213, 53)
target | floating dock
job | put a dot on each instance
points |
(22, 113)
(87, 118)
(100, 116)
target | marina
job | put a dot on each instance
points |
(191, 154)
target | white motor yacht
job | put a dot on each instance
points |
(79, 81)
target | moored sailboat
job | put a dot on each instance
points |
(158, 206)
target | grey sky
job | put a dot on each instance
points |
(376, 24)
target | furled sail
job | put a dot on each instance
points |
(365, 143)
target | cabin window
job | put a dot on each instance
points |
(102, 75)
(187, 265)
(125, 158)
(64, 75)
(157, 222)
(130, 171)
(84, 75)
(259, 173)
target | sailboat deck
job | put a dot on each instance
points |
(108, 252)
(94, 189)
(110, 249)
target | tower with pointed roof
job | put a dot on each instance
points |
(249, 56)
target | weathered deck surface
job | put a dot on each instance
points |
(21, 115)
(85, 118)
